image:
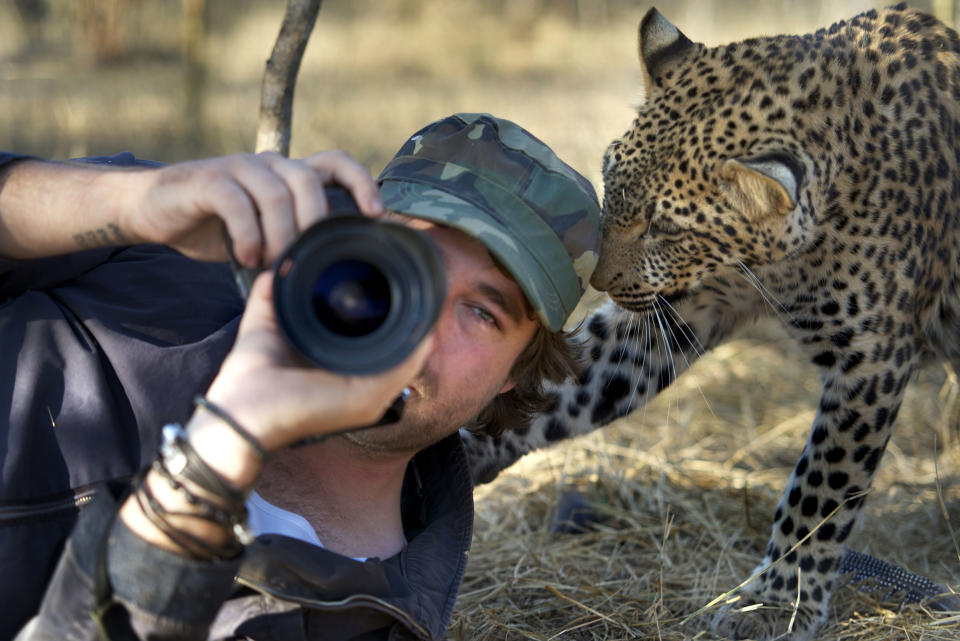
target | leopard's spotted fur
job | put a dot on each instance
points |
(811, 177)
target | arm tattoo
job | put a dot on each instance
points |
(103, 237)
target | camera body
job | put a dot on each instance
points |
(355, 295)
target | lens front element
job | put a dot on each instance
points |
(351, 298)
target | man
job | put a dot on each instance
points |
(359, 537)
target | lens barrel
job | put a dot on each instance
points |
(355, 295)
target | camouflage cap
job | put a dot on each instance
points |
(495, 181)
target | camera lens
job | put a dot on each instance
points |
(355, 295)
(351, 298)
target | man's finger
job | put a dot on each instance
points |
(238, 213)
(273, 200)
(305, 185)
(340, 168)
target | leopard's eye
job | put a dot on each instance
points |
(666, 230)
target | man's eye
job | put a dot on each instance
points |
(485, 316)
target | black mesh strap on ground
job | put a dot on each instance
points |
(900, 585)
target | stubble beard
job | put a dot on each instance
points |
(426, 419)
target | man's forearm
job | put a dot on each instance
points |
(50, 208)
(261, 200)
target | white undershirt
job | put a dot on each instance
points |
(266, 518)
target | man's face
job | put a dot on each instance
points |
(483, 327)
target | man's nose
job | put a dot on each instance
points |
(443, 325)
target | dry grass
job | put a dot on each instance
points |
(686, 490)
(686, 487)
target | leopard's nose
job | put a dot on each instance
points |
(607, 272)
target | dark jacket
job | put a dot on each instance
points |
(99, 350)
(281, 588)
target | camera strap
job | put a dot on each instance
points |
(392, 415)
(242, 276)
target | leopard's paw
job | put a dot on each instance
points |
(748, 616)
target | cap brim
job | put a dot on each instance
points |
(429, 203)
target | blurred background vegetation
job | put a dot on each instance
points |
(175, 79)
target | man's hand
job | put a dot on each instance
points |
(263, 200)
(280, 398)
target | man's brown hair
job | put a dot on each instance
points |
(550, 356)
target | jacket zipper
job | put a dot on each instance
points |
(10, 514)
(333, 605)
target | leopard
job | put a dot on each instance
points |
(810, 179)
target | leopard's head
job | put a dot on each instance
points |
(707, 177)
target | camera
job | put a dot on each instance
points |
(355, 295)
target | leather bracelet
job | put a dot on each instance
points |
(208, 510)
(219, 412)
(194, 546)
(179, 462)
(183, 461)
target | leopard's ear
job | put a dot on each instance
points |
(659, 42)
(764, 185)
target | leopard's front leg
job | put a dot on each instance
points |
(862, 392)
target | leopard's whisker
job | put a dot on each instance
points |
(629, 326)
(682, 353)
(747, 274)
(699, 349)
(622, 352)
(763, 289)
(668, 350)
(638, 353)
(648, 348)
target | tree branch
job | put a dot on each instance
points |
(280, 76)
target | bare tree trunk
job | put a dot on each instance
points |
(193, 34)
(280, 76)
